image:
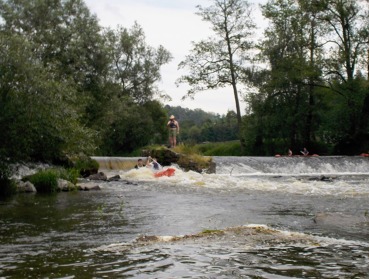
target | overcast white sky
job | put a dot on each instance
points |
(174, 25)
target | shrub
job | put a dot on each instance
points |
(86, 166)
(70, 174)
(45, 181)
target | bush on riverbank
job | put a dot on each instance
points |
(228, 148)
(85, 166)
(45, 181)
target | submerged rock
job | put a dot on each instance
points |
(243, 236)
(65, 186)
(98, 176)
(114, 178)
(88, 186)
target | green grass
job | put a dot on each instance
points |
(187, 149)
(45, 181)
(229, 148)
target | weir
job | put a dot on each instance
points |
(297, 165)
(116, 163)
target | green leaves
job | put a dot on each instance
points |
(65, 83)
(219, 61)
(135, 66)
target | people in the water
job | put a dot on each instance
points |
(290, 152)
(173, 128)
(304, 152)
(139, 164)
(153, 164)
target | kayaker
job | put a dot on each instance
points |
(153, 164)
(139, 164)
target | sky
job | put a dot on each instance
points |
(174, 25)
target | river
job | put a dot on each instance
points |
(257, 217)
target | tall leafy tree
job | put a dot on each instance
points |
(131, 126)
(285, 95)
(64, 35)
(129, 113)
(39, 114)
(348, 37)
(51, 61)
(219, 61)
(135, 66)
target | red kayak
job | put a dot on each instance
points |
(167, 172)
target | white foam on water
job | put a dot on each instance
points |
(294, 184)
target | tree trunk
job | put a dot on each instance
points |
(235, 92)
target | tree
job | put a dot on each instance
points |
(68, 85)
(313, 91)
(349, 39)
(286, 92)
(64, 35)
(131, 126)
(39, 114)
(135, 66)
(219, 61)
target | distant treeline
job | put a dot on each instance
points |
(198, 126)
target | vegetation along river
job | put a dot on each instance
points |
(257, 217)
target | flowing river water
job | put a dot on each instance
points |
(257, 217)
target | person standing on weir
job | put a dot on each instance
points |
(173, 128)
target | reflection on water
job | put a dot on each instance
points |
(319, 228)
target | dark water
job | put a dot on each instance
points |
(315, 228)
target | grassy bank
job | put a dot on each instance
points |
(228, 148)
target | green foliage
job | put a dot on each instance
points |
(70, 174)
(199, 126)
(70, 87)
(134, 126)
(309, 94)
(231, 148)
(37, 103)
(194, 116)
(136, 64)
(191, 156)
(187, 149)
(222, 59)
(64, 89)
(45, 181)
(84, 166)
